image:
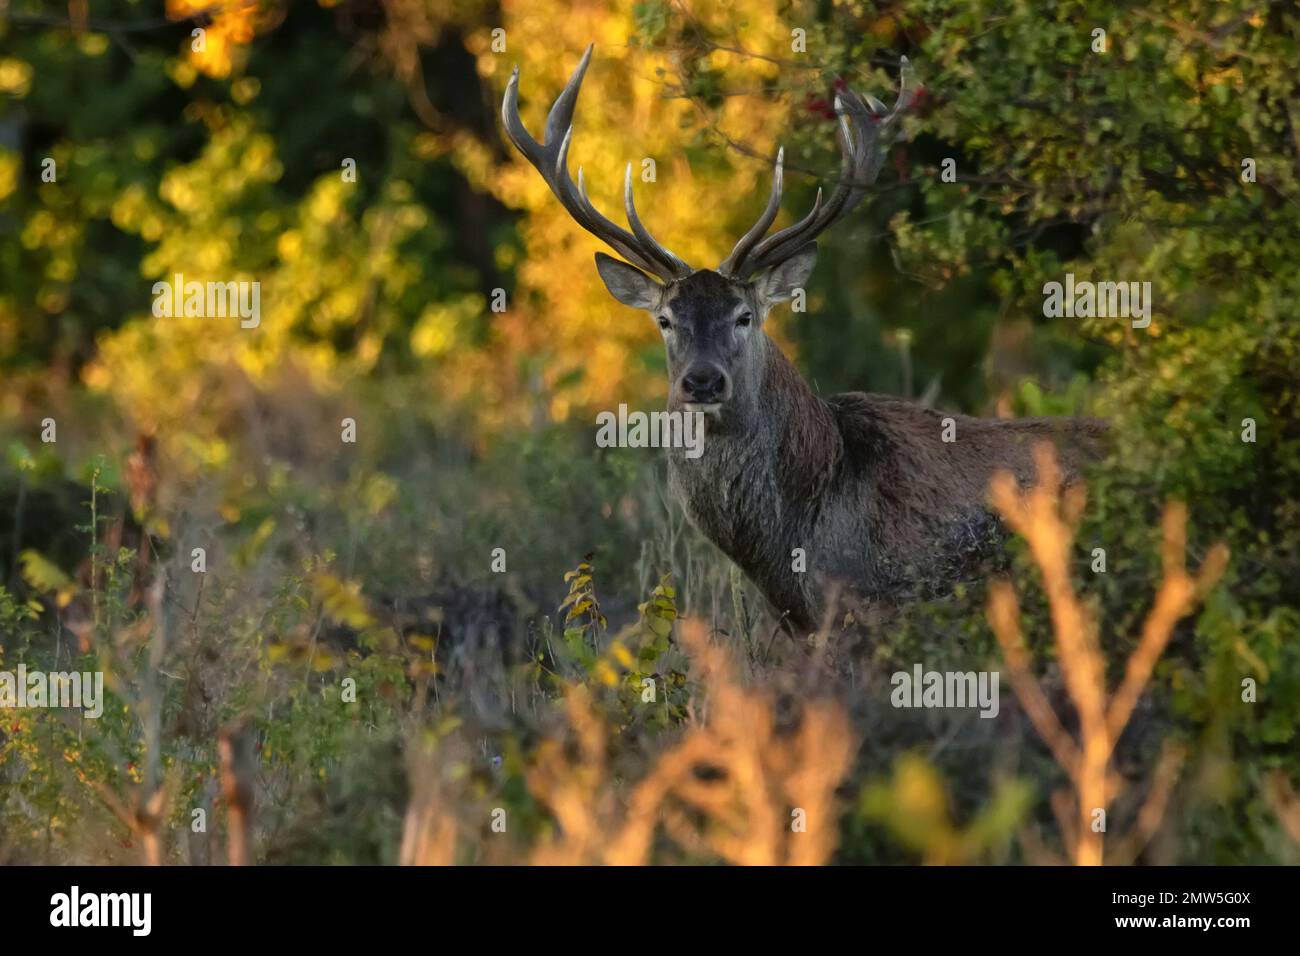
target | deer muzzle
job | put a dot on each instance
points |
(704, 387)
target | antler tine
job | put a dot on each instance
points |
(862, 123)
(559, 120)
(854, 166)
(551, 160)
(736, 261)
(781, 245)
(674, 265)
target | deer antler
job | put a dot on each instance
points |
(551, 160)
(862, 156)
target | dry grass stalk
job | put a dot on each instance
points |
(143, 814)
(428, 833)
(1047, 521)
(729, 788)
(145, 808)
(238, 769)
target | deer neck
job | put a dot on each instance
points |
(763, 466)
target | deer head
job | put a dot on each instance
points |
(711, 320)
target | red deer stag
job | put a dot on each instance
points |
(882, 506)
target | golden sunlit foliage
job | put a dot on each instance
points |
(220, 45)
(697, 203)
(324, 271)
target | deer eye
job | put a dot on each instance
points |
(744, 319)
(664, 323)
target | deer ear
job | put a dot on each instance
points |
(778, 284)
(629, 285)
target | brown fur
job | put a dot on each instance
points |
(883, 507)
(864, 484)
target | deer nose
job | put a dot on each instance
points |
(704, 384)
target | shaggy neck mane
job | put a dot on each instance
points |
(803, 440)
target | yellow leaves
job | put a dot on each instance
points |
(621, 654)
(183, 375)
(43, 229)
(435, 331)
(281, 653)
(244, 90)
(45, 576)
(422, 642)
(914, 804)
(215, 57)
(379, 492)
(9, 164)
(579, 577)
(1187, 70)
(259, 157)
(231, 28)
(323, 660)
(338, 307)
(317, 657)
(92, 44)
(178, 188)
(341, 600)
(1228, 74)
(289, 245)
(326, 200)
(15, 77)
(884, 28)
(132, 209)
(182, 73)
(249, 550)
(605, 674)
